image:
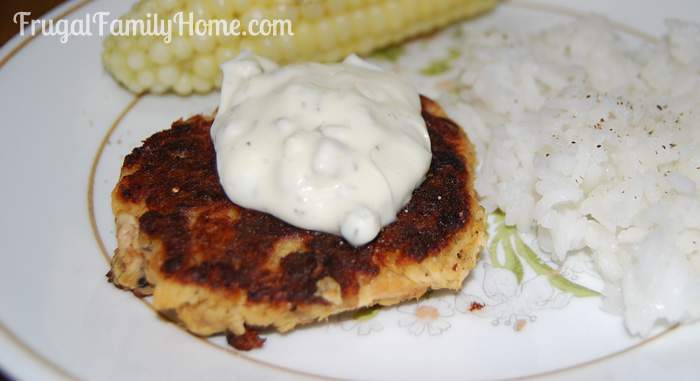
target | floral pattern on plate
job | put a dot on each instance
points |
(510, 303)
(510, 286)
(516, 282)
(428, 315)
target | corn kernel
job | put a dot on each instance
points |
(182, 49)
(201, 85)
(136, 60)
(146, 78)
(183, 86)
(168, 75)
(241, 6)
(169, 5)
(204, 43)
(204, 66)
(159, 53)
(223, 9)
(325, 30)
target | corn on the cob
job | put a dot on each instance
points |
(324, 30)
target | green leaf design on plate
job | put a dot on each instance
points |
(365, 313)
(440, 66)
(506, 236)
(553, 276)
(493, 248)
(391, 53)
(437, 67)
(511, 261)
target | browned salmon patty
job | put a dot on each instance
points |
(215, 267)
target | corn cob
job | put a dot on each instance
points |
(324, 30)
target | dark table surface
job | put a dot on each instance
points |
(8, 8)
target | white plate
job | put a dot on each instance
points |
(66, 128)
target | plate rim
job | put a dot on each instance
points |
(18, 43)
(8, 51)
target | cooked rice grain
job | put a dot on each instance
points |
(592, 142)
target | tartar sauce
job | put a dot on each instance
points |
(335, 148)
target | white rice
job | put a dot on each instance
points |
(592, 143)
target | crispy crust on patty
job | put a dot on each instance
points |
(214, 266)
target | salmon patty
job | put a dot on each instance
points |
(215, 267)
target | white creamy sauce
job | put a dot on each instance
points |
(335, 148)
